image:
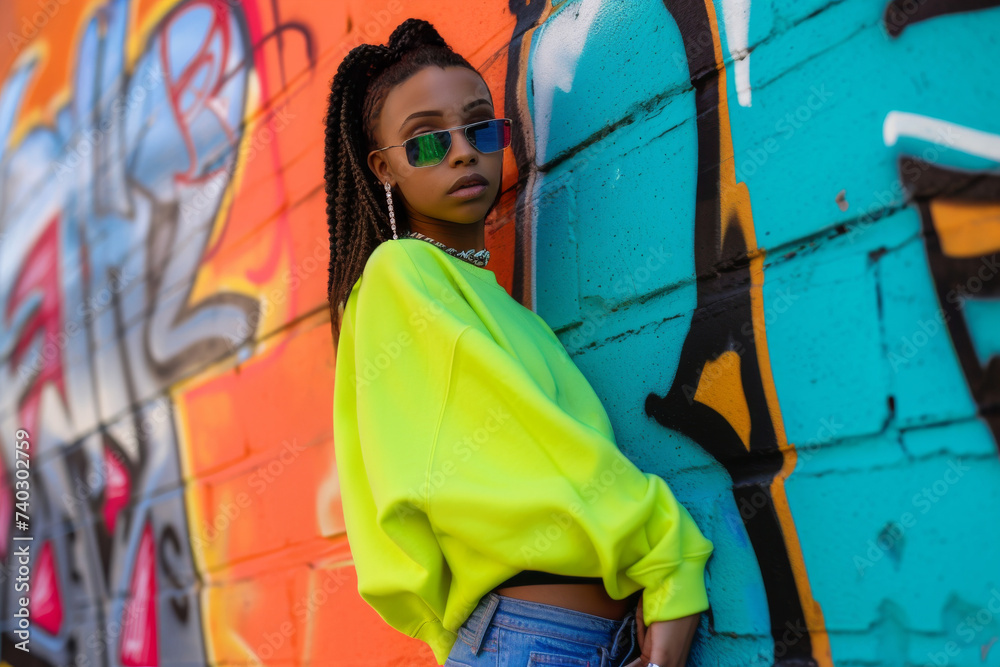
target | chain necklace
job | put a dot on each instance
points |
(477, 257)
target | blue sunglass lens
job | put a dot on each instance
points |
(491, 136)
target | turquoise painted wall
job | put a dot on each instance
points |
(848, 122)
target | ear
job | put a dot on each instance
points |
(379, 166)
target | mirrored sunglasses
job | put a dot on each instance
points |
(430, 148)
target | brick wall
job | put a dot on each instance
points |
(766, 232)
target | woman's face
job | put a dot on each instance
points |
(437, 98)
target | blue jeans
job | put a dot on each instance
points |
(508, 631)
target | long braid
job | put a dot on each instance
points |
(357, 213)
(347, 196)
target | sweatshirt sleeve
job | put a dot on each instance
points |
(393, 364)
(519, 480)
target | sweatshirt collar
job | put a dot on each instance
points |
(477, 257)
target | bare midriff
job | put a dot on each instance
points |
(588, 598)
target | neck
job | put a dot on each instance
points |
(461, 236)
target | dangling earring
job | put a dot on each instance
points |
(392, 216)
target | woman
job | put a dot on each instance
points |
(488, 507)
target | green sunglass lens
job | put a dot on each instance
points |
(427, 149)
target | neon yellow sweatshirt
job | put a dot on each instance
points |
(469, 447)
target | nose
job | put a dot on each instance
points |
(462, 151)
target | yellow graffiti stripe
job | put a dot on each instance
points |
(735, 209)
(721, 389)
(966, 228)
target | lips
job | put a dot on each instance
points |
(468, 180)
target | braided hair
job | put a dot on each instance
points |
(357, 214)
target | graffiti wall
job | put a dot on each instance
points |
(766, 232)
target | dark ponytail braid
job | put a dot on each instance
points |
(356, 209)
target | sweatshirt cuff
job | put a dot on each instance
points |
(441, 640)
(682, 593)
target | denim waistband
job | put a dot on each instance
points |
(547, 619)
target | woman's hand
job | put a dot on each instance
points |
(665, 643)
